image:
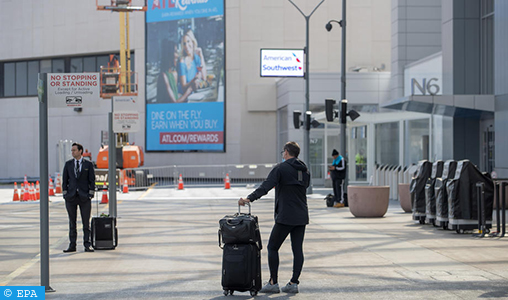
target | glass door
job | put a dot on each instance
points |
(358, 147)
(487, 146)
(316, 157)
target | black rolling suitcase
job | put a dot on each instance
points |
(241, 258)
(241, 268)
(104, 233)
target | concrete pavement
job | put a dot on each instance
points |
(168, 249)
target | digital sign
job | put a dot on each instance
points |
(185, 78)
(282, 63)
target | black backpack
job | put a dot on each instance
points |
(329, 200)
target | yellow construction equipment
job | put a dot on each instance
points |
(117, 79)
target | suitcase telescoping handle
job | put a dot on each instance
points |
(239, 206)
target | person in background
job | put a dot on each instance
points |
(167, 83)
(338, 174)
(290, 179)
(78, 188)
(360, 164)
(192, 67)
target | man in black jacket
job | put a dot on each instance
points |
(78, 189)
(290, 179)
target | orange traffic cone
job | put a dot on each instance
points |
(26, 192)
(37, 191)
(328, 175)
(180, 182)
(25, 181)
(58, 189)
(105, 194)
(227, 184)
(51, 187)
(32, 192)
(16, 194)
(125, 189)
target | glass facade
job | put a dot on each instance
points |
(20, 78)
(417, 137)
(282, 119)
(333, 142)
(316, 156)
(358, 147)
(487, 46)
(387, 143)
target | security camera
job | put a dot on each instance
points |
(328, 26)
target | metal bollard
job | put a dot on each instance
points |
(503, 207)
(480, 200)
(498, 208)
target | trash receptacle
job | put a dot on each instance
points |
(463, 200)
(417, 190)
(430, 196)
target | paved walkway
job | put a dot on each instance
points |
(168, 250)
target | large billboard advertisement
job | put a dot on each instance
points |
(185, 83)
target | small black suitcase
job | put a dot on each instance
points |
(104, 233)
(241, 268)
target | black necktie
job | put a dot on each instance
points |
(76, 171)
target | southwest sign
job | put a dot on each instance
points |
(282, 63)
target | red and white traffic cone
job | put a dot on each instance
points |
(125, 189)
(51, 187)
(26, 192)
(15, 197)
(180, 182)
(37, 191)
(104, 199)
(227, 183)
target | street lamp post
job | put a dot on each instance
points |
(343, 103)
(306, 137)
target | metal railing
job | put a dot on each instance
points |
(209, 175)
(392, 175)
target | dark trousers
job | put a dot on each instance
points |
(277, 237)
(337, 190)
(72, 210)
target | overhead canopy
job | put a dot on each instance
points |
(470, 106)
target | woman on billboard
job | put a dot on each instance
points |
(192, 70)
(167, 85)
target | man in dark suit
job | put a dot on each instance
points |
(78, 189)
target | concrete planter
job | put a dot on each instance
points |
(405, 197)
(368, 201)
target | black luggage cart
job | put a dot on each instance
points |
(430, 192)
(463, 199)
(417, 190)
(442, 195)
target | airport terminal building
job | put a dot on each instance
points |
(427, 78)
